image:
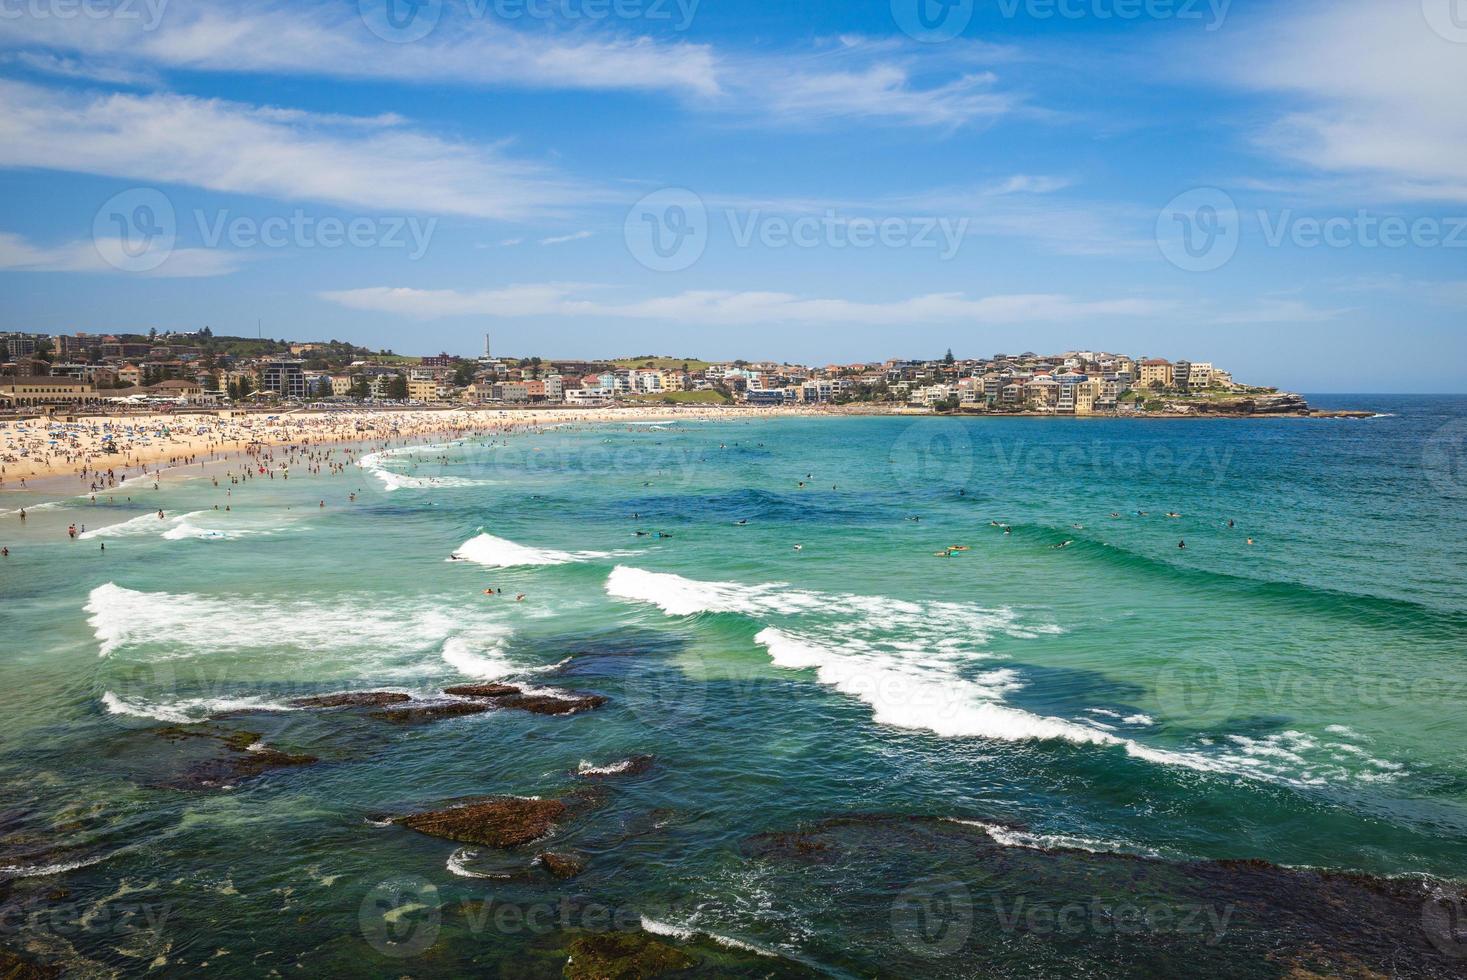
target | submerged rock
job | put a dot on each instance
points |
(421, 713)
(623, 956)
(13, 966)
(634, 766)
(246, 758)
(501, 821)
(352, 699)
(563, 864)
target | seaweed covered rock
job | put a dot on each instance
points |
(501, 821)
(545, 704)
(623, 956)
(419, 714)
(13, 966)
(563, 864)
(481, 690)
(352, 699)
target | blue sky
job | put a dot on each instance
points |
(1280, 188)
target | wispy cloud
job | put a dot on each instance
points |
(305, 37)
(561, 239)
(901, 83)
(1366, 91)
(106, 255)
(372, 163)
(729, 308)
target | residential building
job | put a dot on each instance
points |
(285, 378)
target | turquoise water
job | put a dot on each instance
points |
(961, 737)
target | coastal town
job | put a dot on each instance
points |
(118, 371)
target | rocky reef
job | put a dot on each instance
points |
(499, 821)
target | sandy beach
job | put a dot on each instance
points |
(49, 450)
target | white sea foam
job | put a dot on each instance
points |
(199, 524)
(611, 769)
(920, 666)
(188, 710)
(144, 524)
(475, 659)
(376, 464)
(1013, 837)
(458, 864)
(46, 870)
(486, 549)
(338, 636)
(687, 934)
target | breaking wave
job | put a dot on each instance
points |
(925, 666)
(492, 552)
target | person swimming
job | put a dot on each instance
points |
(1065, 544)
(1181, 544)
(799, 547)
(741, 523)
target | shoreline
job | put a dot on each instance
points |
(30, 460)
(151, 443)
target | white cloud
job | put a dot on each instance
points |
(370, 163)
(722, 307)
(561, 239)
(19, 255)
(902, 83)
(330, 39)
(1370, 92)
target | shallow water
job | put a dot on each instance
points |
(1104, 717)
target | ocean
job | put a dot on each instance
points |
(923, 696)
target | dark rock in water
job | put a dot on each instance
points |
(422, 713)
(623, 956)
(545, 704)
(1200, 918)
(481, 690)
(563, 865)
(352, 699)
(634, 766)
(501, 821)
(240, 762)
(13, 966)
(509, 696)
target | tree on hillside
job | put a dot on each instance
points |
(397, 388)
(949, 359)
